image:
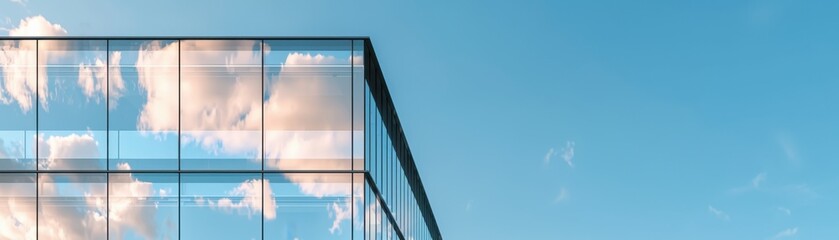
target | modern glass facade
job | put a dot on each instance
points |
(203, 138)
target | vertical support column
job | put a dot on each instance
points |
(262, 141)
(180, 179)
(37, 172)
(107, 138)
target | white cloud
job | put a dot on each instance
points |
(37, 26)
(785, 210)
(158, 75)
(340, 213)
(718, 213)
(78, 220)
(789, 232)
(129, 207)
(73, 151)
(71, 220)
(757, 180)
(66, 220)
(93, 79)
(551, 153)
(17, 211)
(251, 203)
(229, 116)
(18, 63)
(568, 153)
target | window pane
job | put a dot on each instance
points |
(72, 206)
(221, 111)
(143, 206)
(143, 114)
(358, 105)
(309, 206)
(72, 113)
(358, 206)
(17, 99)
(17, 206)
(308, 105)
(221, 206)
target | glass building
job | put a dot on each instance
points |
(203, 138)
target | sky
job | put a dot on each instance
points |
(572, 119)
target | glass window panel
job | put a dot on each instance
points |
(358, 85)
(17, 206)
(373, 215)
(221, 111)
(18, 73)
(310, 206)
(221, 206)
(143, 205)
(72, 206)
(358, 205)
(143, 113)
(72, 83)
(308, 105)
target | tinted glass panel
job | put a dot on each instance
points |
(309, 206)
(72, 206)
(143, 116)
(143, 206)
(221, 111)
(308, 105)
(72, 116)
(18, 89)
(221, 206)
(17, 206)
(358, 85)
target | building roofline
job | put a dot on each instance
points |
(184, 38)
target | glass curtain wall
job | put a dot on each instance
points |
(199, 139)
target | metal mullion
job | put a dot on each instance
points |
(37, 105)
(384, 208)
(180, 178)
(107, 138)
(352, 137)
(262, 148)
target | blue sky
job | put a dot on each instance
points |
(689, 120)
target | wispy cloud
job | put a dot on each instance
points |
(568, 153)
(755, 184)
(718, 213)
(469, 206)
(561, 196)
(551, 153)
(785, 210)
(789, 232)
(757, 180)
(789, 148)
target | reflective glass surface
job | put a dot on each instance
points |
(202, 139)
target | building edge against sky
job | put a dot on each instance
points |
(160, 137)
